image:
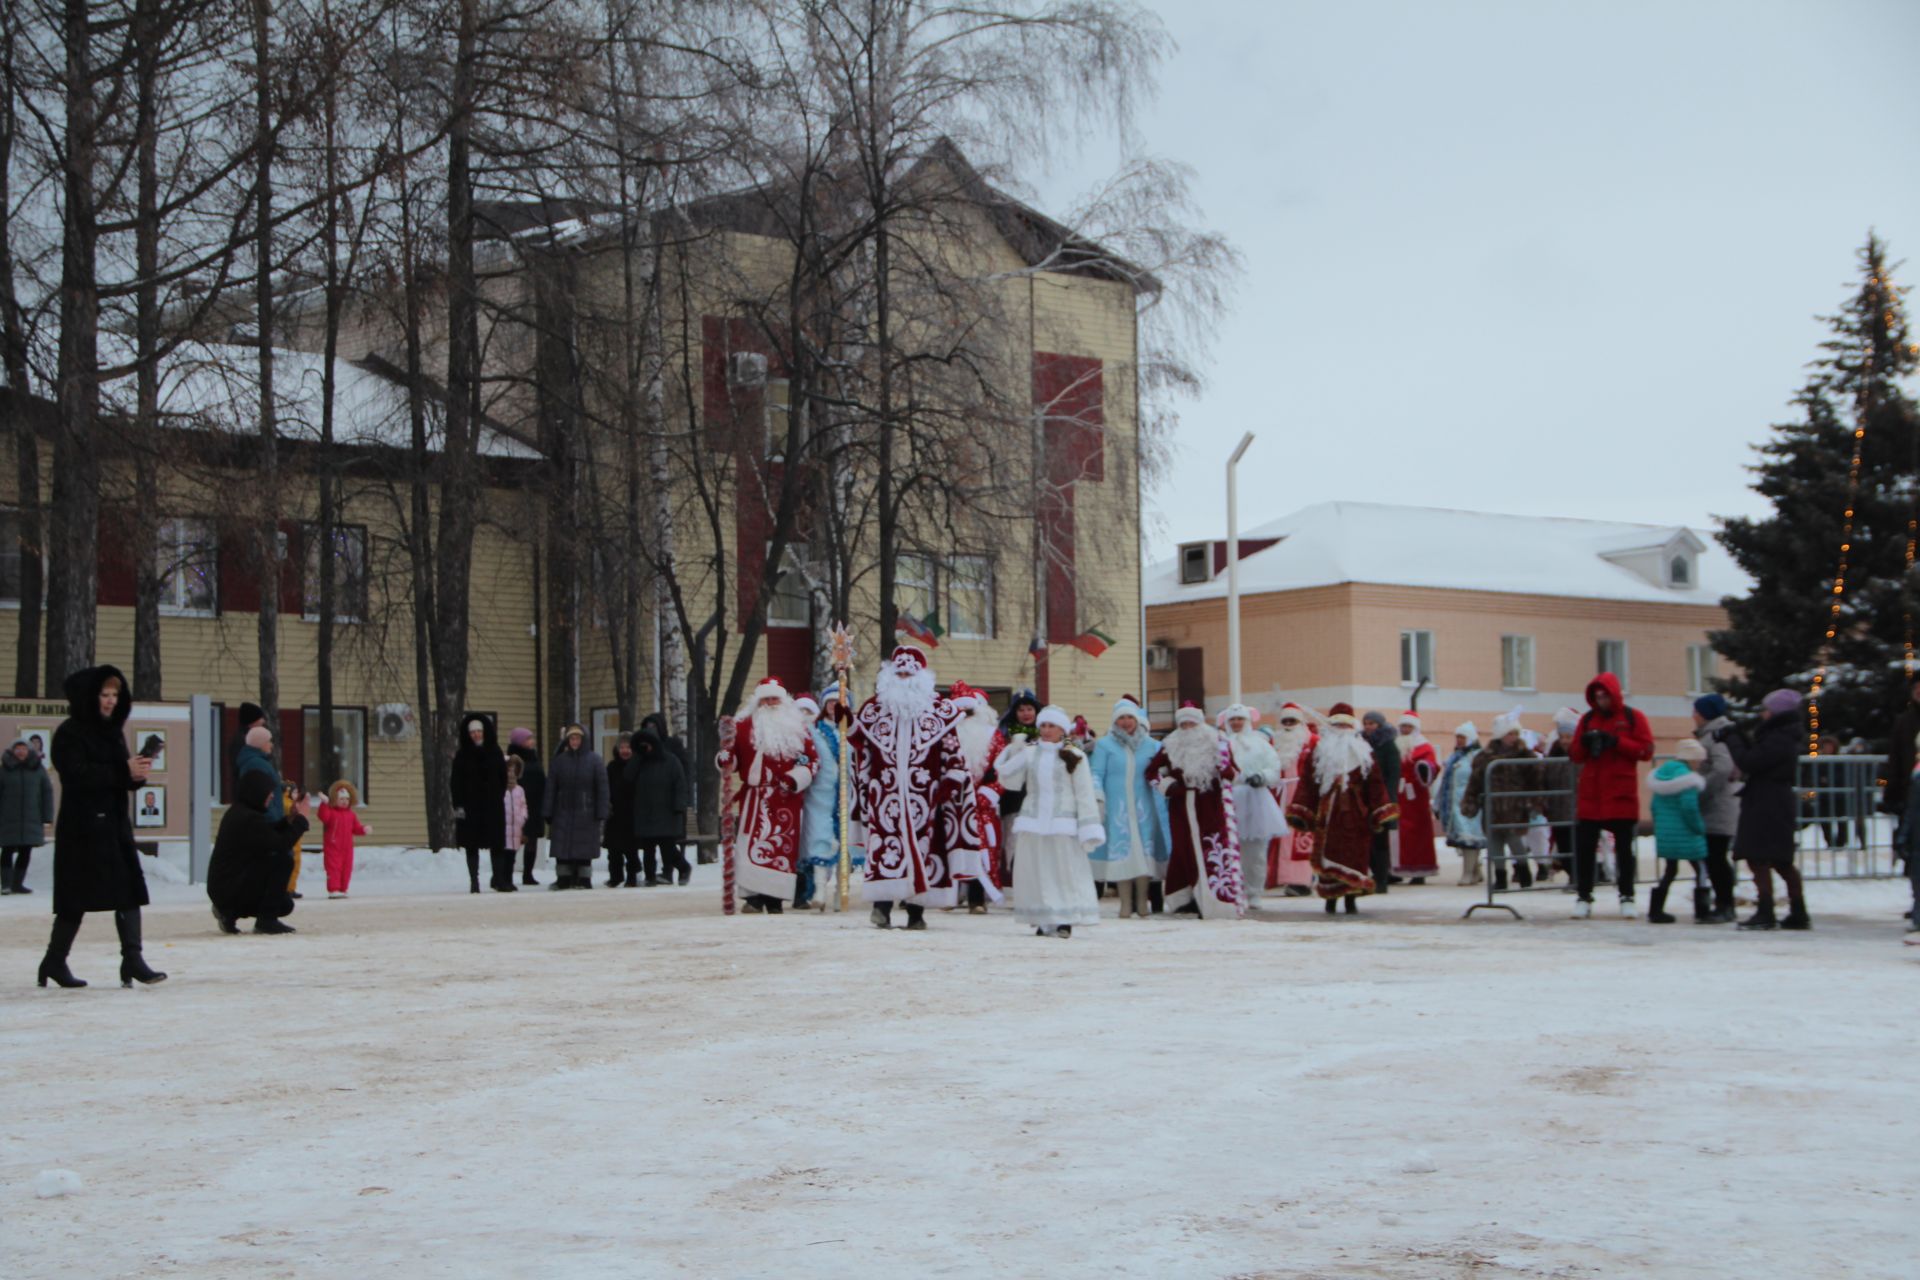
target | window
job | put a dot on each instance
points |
(186, 560)
(1680, 572)
(1196, 562)
(777, 402)
(9, 557)
(1416, 657)
(1701, 669)
(606, 730)
(1516, 662)
(790, 604)
(349, 572)
(970, 597)
(1612, 656)
(913, 587)
(349, 746)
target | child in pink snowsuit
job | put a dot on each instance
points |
(516, 802)
(340, 824)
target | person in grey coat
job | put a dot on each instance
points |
(26, 810)
(576, 808)
(1719, 805)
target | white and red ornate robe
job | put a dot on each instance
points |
(771, 802)
(1205, 866)
(915, 800)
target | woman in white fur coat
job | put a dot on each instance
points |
(1057, 827)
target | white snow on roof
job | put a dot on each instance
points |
(1338, 542)
(216, 387)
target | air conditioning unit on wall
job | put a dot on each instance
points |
(393, 722)
(746, 369)
(1159, 657)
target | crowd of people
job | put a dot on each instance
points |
(949, 804)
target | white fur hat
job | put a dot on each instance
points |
(1189, 715)
(1239, 711)
(1410, 717)
(1467, 729)
(1128, 707)
(1566, 720)
(1056, 717)
(807, 705)
(1507, 723)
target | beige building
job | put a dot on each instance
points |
(1360, 602)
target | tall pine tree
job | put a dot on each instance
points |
(1779, 633)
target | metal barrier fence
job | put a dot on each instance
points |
(1837, 831)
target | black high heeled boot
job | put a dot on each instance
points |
(473, 871)
(133, 966)
(59, 943)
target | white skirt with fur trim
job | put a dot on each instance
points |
(1052, 881)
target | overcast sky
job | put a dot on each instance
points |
(1535, 257)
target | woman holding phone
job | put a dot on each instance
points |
(95, 864)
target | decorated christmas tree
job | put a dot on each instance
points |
(1833, 606)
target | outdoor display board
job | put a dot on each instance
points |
(161, 731)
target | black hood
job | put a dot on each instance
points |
(492, 740)
(254, 790)
(657, 725)
(83, 695)
(1011, 718)
(646, 743)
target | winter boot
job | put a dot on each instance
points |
(1333, 905)
(6, 871)
(1470, 867)
(916, 917)
(1702, 905)
(882, 915)
(133, 967)
(1761, 921)
(1797, 918)
(1353, 905)
(1157, 896)
(19, 882)
(273, 926)
(59, 943)
(473, 871)
(1657, 906)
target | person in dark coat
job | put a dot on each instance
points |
(616, 833)
(253, 859)
(479, 788)
(95, 864)
(577, 805)
(1766, 836)
(673, 746)
(533, 782)
(1385, 741)
(26, 810)
(660, 798)
(1900, 754)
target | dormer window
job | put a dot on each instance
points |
(1196, 563)
(1680, 571)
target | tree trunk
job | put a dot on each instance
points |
(13, 358)
(330, 764)
(72, 592)
(146, 414)
(267, 531)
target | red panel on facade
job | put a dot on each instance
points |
(115, 560)
(790, 657)
(238, 586)
(292, 741)
(1068, 393)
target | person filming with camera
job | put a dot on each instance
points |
(1609, 745)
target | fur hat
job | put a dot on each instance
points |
(1341, 713)
(1507, 723)
(353, 793)
(1128, 707)
(1467, 729)
(1294, 711)
(806, 703)
(965, 696)
(908, 655)
(1238, 711)
(1566, 720)
(1188, 714)
(770, 688)
(1410, 717)
(1689, 749)
(1055, 716)
(569, 730)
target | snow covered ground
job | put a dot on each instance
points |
(624, 1084)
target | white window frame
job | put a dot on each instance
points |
(1684, 582)
(923, 579)
(795, 558)
(169, 541)
(983, 584)
(1410, 655)
(1600, 662)
(606, 731)
(310, 573)
(1702, 666)
(1204, 552)
(1512, 648)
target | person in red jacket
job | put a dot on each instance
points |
(1609, 745)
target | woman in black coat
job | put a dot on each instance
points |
(252, 859)
(660, 802)
(479, 787)
(623, 851)
(95, 865)
(1769, 807)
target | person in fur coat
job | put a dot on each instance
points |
(1136, 850)
(1196, 773)
(1343, 800)
(1058, 826)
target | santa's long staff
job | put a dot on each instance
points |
(729, 820)
(843, 672)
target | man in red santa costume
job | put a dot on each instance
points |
(1290, 864)
(978, 725)
(773, 754)
(1413, 855)
(1342, 801)
(913, 794)
(1194, 770)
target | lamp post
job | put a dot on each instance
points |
(1233, 571)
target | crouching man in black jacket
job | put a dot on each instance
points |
(253, 860)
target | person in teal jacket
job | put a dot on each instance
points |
(1679, 829)
(1137, 845)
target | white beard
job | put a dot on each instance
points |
(780, 731)
(976, 730)
(1290, 743)
(1409, 741)
(1339, 753)
(1195, 752)
(905, 697)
